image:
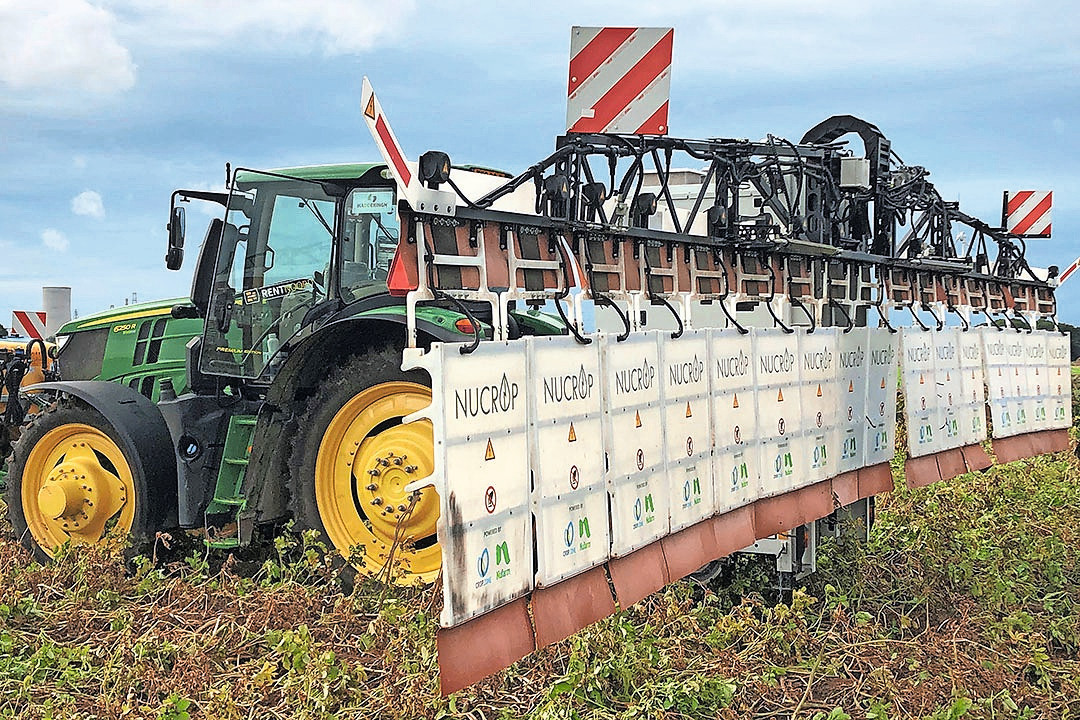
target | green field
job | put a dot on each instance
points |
(963, 605)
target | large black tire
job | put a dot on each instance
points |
(31, 468)
(323, 428)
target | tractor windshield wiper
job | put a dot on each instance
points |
(317, 213)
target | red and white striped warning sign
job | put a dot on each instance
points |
(28, 323)
(620, 80)
(1027, 212)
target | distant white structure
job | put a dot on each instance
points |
(56, 301)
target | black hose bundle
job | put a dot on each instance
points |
(12, 376)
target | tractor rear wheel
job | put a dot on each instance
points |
(353, 457)
(70, 482)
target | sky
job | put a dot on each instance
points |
(107, 106)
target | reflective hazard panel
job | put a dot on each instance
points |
(849, 447)
(688, 444)
(880, 438)
(921, 410)
(1060, 381)
(949, 389)
(479, 420)
(570, 495)
(818, 399)
(783, 452)
(972, 410)
(1003, 354)
(636, 477)
(736, 453)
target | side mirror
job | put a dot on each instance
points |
(174, 256)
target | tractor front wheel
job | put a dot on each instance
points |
(352, 459)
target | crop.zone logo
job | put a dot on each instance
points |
(691, 493)
(850, 446)
(740, 475)
(483, 564)
(783, 464)
(644, 511)
(579, 531)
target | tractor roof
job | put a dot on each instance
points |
(351, 171)
(338, 171)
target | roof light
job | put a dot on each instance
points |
(643, 208)
(557, 193)
(434, 168)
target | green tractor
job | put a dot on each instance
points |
(275, 391)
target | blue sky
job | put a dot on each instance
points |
(107, 106)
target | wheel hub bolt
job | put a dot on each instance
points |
(374, 472)
(371, 486)
(376, 501)
(411, 469)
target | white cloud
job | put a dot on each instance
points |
(88, 203)
(54, 240)
(62, 46)
(332, 26)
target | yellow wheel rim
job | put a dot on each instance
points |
(366, 458)
(77, 487)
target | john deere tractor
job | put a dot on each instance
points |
(273, 391)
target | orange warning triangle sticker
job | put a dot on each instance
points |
(489, 454)
(882, 383)
(780, 395)
(370, 109)
(735, 402)
(948, 377)
(637, 419)
(921, 380)
(688, 413)
(819, 390)
(851, 386)
(573, 435)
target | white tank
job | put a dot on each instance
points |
(56, 302)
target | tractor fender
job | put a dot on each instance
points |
(139, 427)
(299, 377)
(347, 335)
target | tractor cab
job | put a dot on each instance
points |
(292, 250)
(299, 248)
